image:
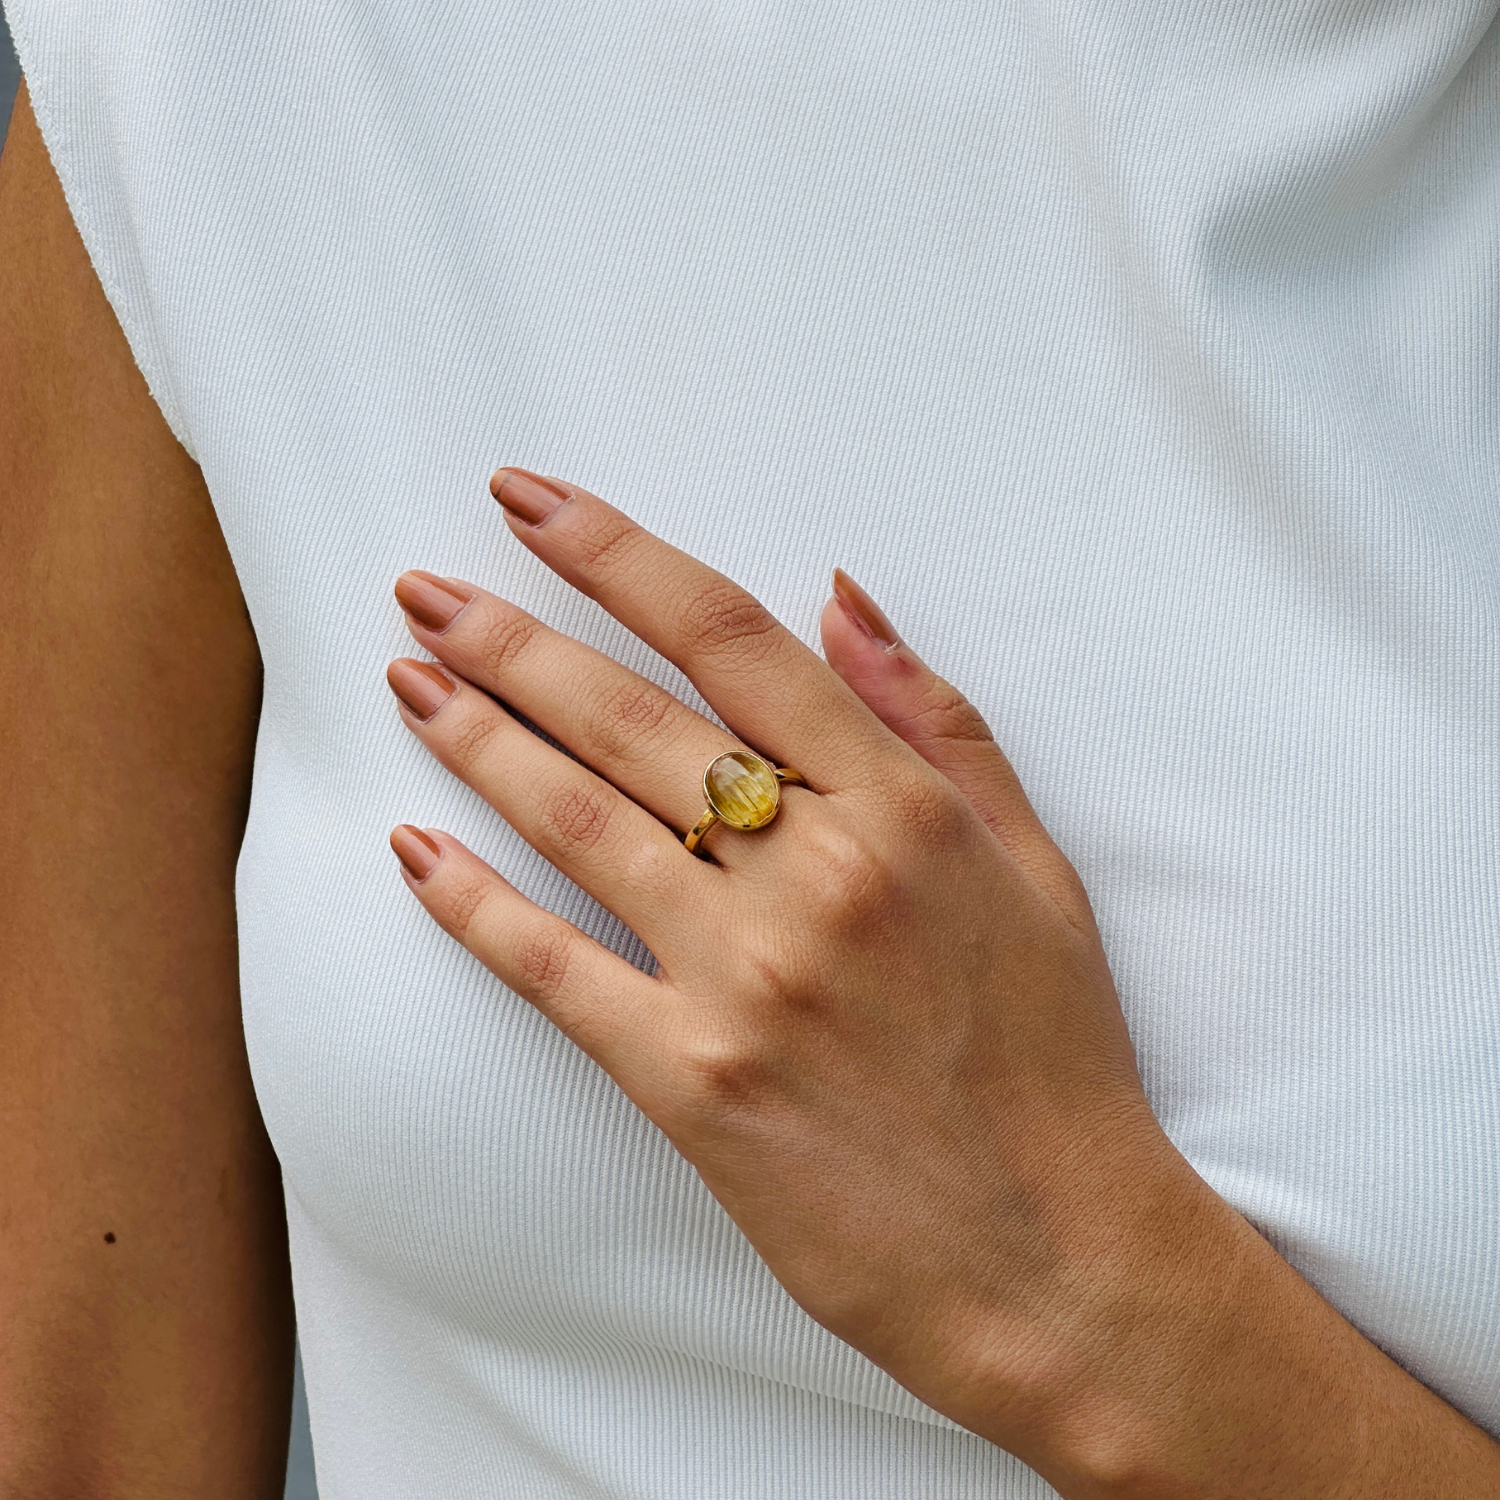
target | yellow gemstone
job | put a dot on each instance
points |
(742, 789)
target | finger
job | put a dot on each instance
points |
(942, 726)
(609, 1008)
(598, 838)
(759, 678)
(636, 735)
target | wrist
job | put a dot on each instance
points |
(1136, 1397)
(1098, 1374)
(1174, 1355)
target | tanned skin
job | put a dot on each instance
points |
(145, 1305)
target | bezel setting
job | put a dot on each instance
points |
(749, 765)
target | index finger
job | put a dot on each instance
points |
(767, 686)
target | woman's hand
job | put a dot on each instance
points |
(882, 1029)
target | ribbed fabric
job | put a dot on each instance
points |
(1139, 357)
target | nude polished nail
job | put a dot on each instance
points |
(866, 614)
(417, 852)
(430, 600)
(528, 497)
(422, 687)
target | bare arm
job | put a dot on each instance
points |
(145, 1316)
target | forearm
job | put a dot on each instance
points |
(145, 1315)
(143, 1286)
(1192, 1361)
(147, 1348)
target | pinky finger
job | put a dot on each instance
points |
(605, 1005)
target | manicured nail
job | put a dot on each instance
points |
(527, 496)
(422, 687)
(866, 614)
(417, 853)
(430, 600)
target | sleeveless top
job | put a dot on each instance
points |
(1139, 357)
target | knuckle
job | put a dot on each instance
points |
(723, 1073)
(849, 881)
(1073, 899)
(540, 960)
(721, 619)
(576, 818)
(929, 809)
(506, 635)
(632, 713)
(471, 739)
(607, 541)
(943, 713)
(784, 986)
(466, 898)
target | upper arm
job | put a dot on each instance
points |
(143, 1288)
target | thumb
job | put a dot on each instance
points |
(945, 729)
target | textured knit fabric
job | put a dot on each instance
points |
(1138, 355)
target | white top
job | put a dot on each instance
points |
(1138, 355)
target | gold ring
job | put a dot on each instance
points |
(742, 790)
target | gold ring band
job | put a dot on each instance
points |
(743, 790)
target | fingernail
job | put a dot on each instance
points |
(418, 853)
(430, 600)
(864, 611)
(422, 687)
(528, 496)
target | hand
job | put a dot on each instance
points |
(882, 1029)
